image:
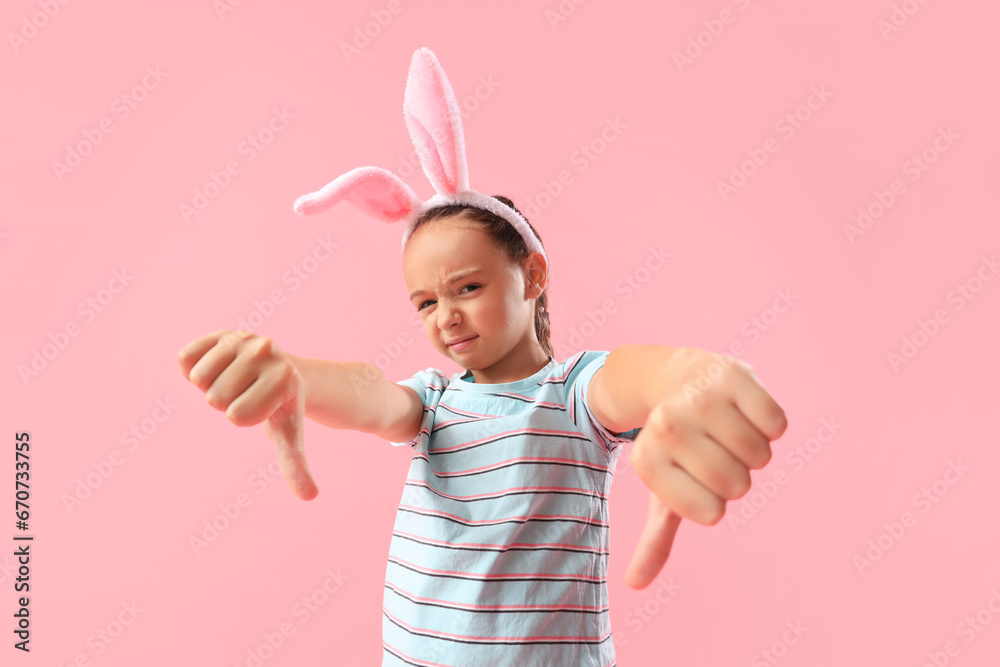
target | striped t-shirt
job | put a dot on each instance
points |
(499, 552)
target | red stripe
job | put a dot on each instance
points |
(543, 545)
(569, 365)
(499, 464)
(420, 482)
(491, 640)
(491, 522)
(514, 393)
(395, 651)
(467, 413)
(494, 577)
(496, 607)
(495, 436)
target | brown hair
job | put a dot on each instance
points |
(510, 242)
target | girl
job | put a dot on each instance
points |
(499, 553)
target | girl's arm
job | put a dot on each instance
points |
(355, 395)
(631, 382)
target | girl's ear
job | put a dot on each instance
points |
(536, 270)
(375, 191)
(434, 121)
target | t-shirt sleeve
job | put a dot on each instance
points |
(429, 384)
(581, 369)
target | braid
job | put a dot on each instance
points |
(543, 325)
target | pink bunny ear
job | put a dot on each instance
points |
(376, 191)
(435, 123)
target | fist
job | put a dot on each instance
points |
(713, 423)
(253, 381)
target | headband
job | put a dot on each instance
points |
(434, 121)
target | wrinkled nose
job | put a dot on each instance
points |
(447, 316)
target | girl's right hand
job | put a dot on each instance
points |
(252, 380)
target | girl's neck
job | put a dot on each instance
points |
(505, 370)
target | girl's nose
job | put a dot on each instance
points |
(448, 316)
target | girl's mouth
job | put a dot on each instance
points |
(458, 347)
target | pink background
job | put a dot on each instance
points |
(827, 358)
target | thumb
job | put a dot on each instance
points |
(654, 544)
(285, 429)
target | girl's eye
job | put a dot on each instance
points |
(471, 285)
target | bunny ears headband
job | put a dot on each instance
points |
(432, 117)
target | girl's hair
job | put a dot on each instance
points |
(510, 242)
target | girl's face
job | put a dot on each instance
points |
(464, 286)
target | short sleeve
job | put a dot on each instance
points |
(429, 384)
(580, 372)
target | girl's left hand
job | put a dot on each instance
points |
(696, 448)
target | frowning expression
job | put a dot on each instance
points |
(464, 286)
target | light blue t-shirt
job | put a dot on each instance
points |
(499, 553)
